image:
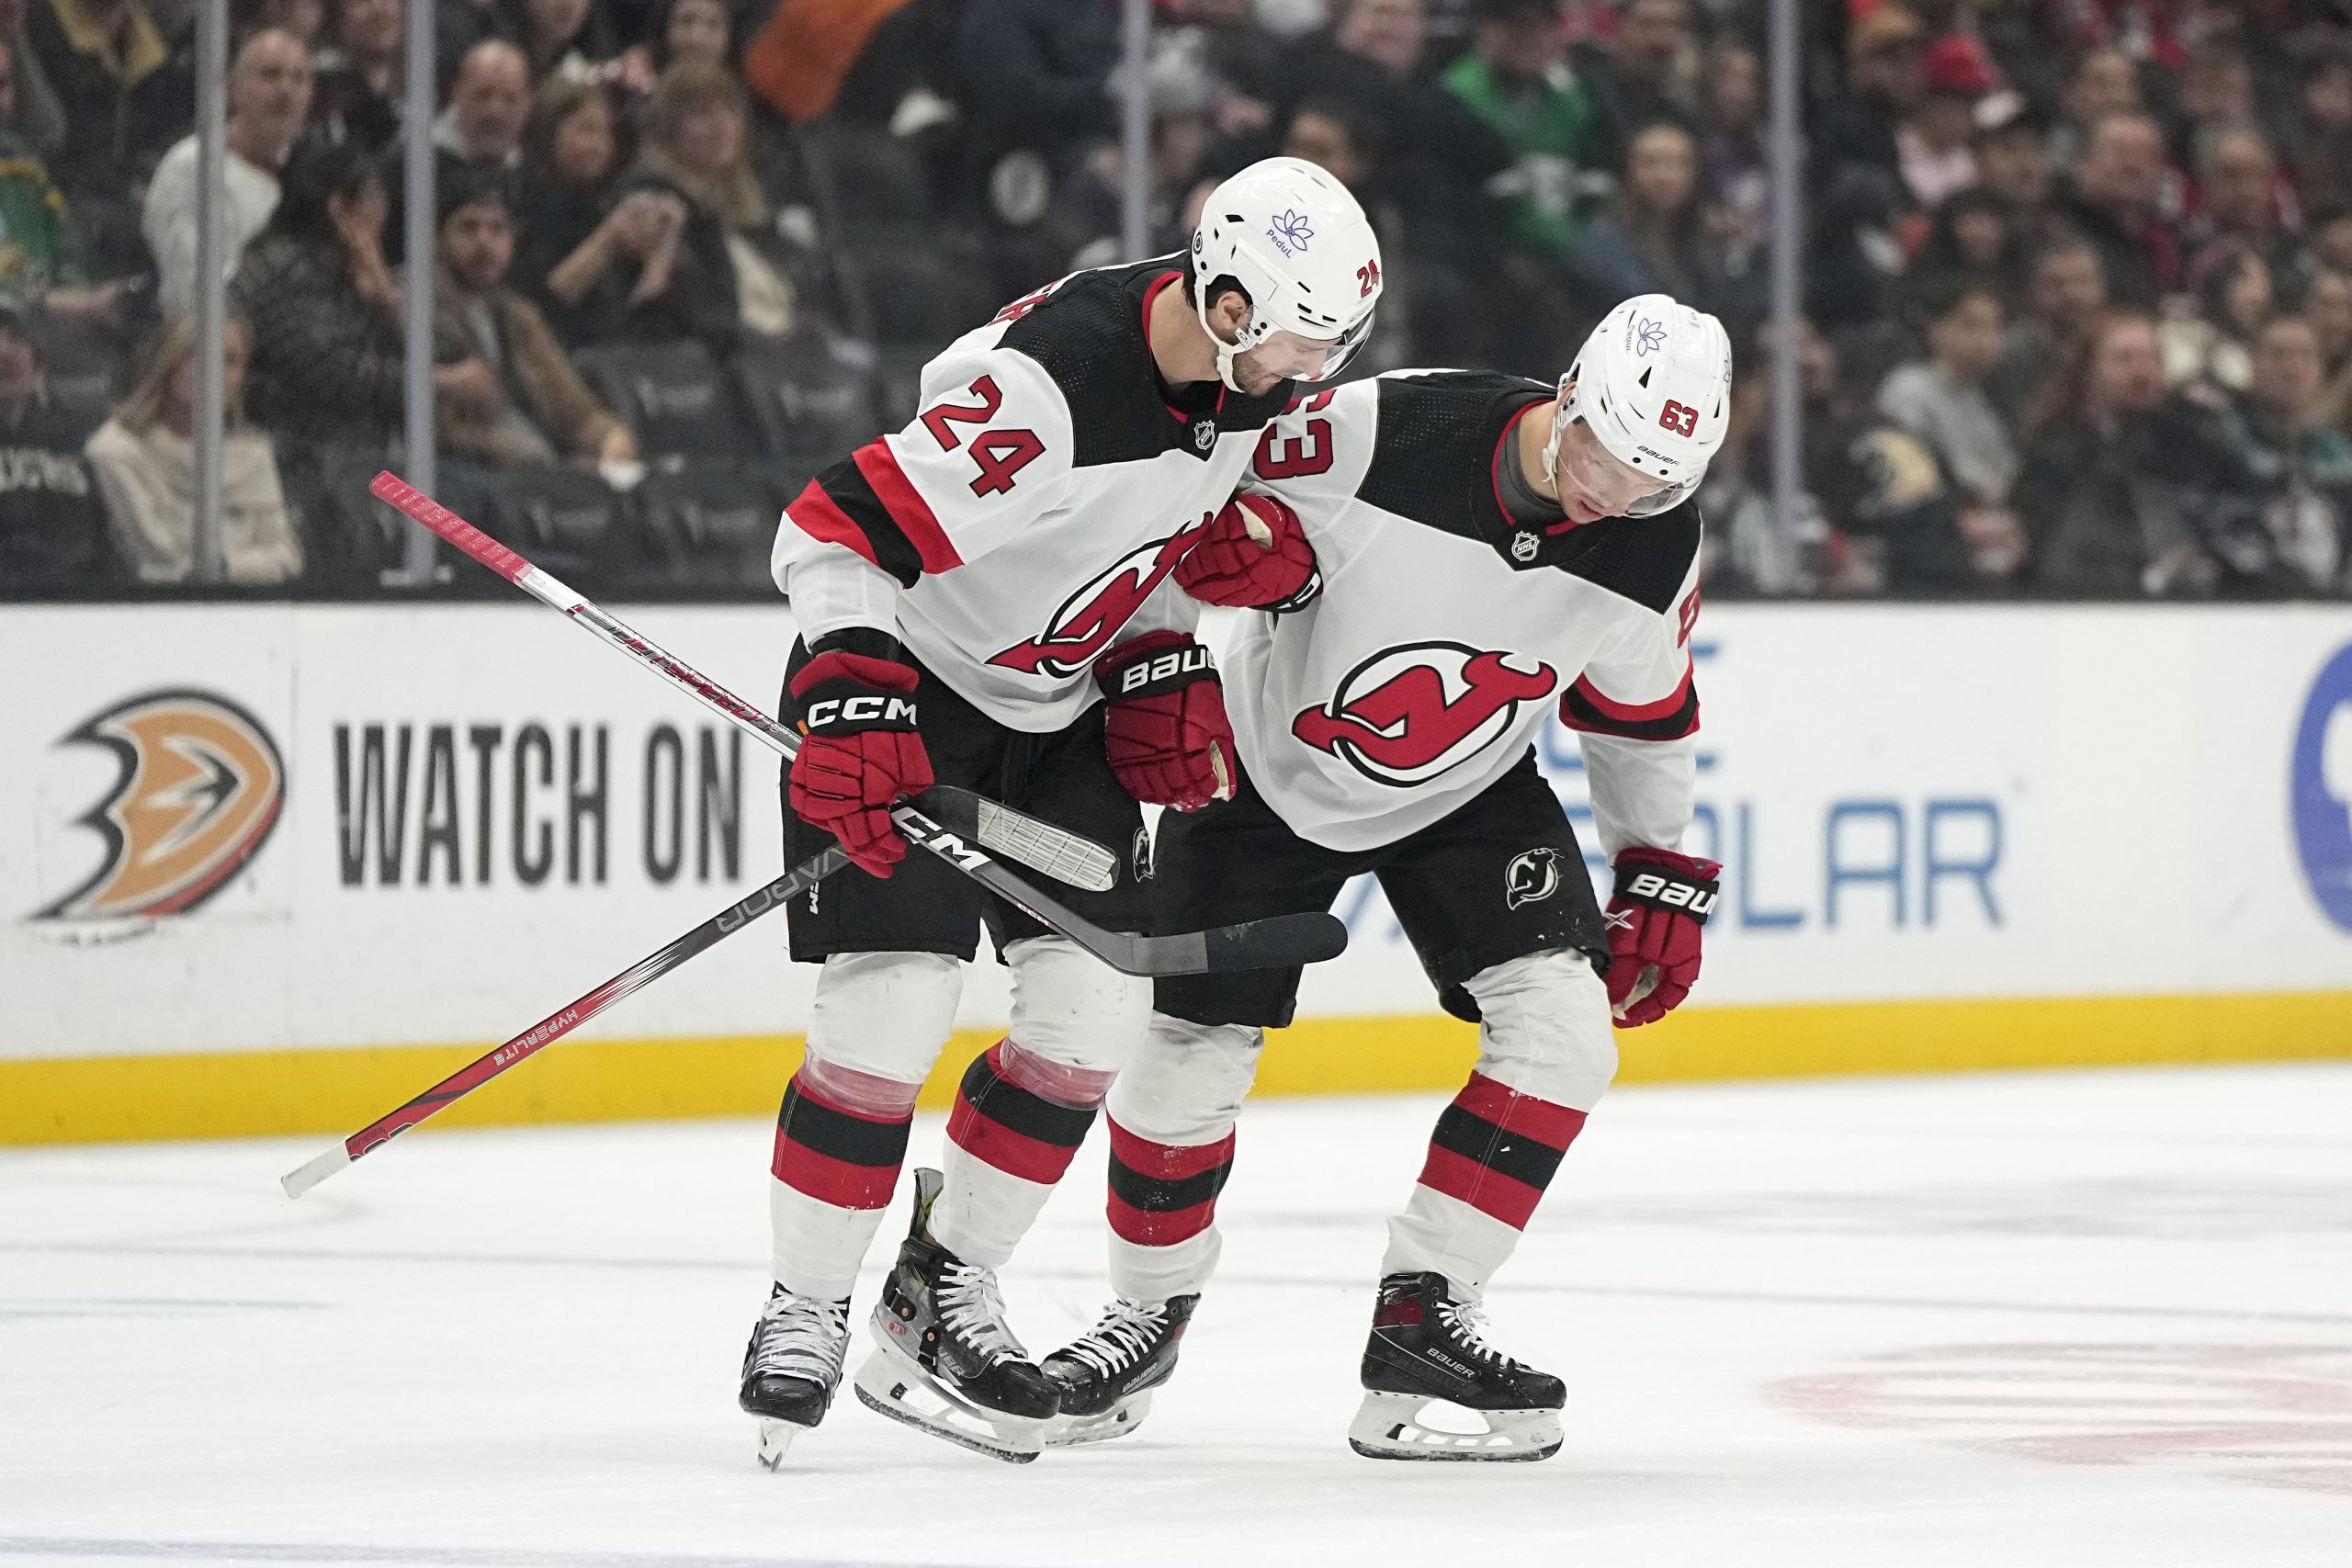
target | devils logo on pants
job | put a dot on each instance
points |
(1408, 714)
(1090, 618)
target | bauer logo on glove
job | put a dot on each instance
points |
(1661, 903)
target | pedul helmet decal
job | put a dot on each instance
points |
(1299, 245)
(1653, 383)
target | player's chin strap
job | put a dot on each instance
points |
(1227, 353)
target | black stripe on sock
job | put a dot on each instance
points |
(1031, 1115)
(1514, 1154)
(837, 1135)
(1154, 1195)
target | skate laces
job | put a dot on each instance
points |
(801, 1336)
(1467, 1326)
(970, 1305)
(1122, 1338)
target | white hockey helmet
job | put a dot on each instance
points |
(1298, 244)
(1653, 383)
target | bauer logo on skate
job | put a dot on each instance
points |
(1408, 714)
(200, 787)
(1090, 618)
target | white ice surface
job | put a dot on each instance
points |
(2061, 1319)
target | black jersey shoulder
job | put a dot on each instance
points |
(1432, 462)
(1434, 442)
(1088, 335)
(1646, 560)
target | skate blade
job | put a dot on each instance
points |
(1411, 1427)
(893, 1386)
(775, 1442)
(1076, 1431)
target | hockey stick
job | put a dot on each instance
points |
(1283, 941)
(554, 1027)
(1276, 943)
(1060, 854)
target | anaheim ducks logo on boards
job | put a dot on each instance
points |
(1408, 714)
(1091, 617)
(202, 785)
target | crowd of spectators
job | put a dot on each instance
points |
(2078, 279)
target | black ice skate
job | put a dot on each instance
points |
(791, 1368)
(943, 1359)
(1107, 1374)
(1435, 1389)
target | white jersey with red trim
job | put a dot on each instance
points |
(1445, 631)
(1032, 514)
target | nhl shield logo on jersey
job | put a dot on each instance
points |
(1409, 713)
(1087, 621)
(1203, 434)
(1532, 877)
(1523, 546)
(201, 787)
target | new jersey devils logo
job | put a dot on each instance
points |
(1533, 876)
(1091, 617)
(1408, 714)
(201, 787)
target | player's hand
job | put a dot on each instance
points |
(1164, 727)
(1661, 901)
(861, 752)
(1253, 555)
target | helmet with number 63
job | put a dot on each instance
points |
(1653, 383)
(1298, 244)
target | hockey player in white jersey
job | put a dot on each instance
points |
(978, 596)
(1487, 548)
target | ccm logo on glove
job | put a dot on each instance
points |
(838, 711)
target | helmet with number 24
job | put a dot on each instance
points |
(1653, 383)
(1293, 239)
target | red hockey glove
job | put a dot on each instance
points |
(1253, 555)
(861, 752)
(1164, 727)
(1662, 899)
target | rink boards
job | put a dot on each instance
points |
(272, 868)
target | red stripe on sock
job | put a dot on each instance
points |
(1489, 1192)
(830, 1180)
(1167, 1162)
(1555, 1126)
(992, 1142)
(1145, 1227)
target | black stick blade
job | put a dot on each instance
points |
(1282, 942)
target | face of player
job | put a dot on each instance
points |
(1593, 484)
(1284, 356)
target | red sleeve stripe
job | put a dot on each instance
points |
(1634, 712)
(1585, 708)
(815, 514)
(907, 507)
